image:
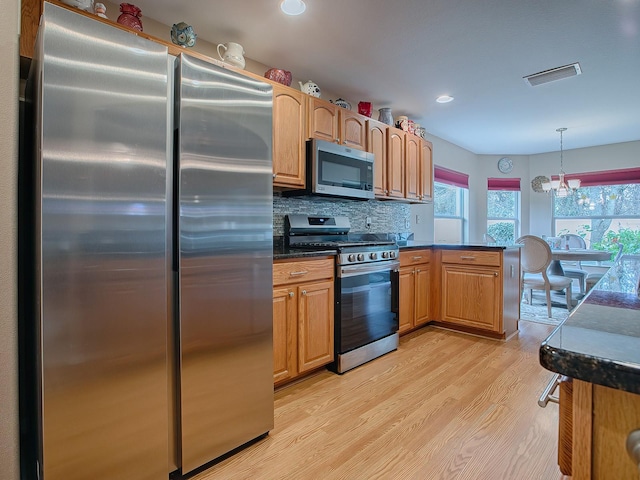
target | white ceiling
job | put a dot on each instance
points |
(405, 53)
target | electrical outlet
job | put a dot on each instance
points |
(407, 223)
(367, 222)
(418, 219)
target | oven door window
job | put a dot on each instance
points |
(339, 171)
(366, 310)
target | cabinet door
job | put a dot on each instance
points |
(426, 171)
(322, 120)
(377, 144)
(315, 323)
(288, 137)
(30, 20)
(422, 293)
(285, 358)
(412, 154)
(471, 296)
(353, 129)
(395, 162)
(406, 288)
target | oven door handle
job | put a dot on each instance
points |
(364, 268)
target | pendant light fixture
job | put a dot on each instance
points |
(560, 187)
(292, 7)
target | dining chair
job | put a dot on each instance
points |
(594, 278)
(488, 238)
(574, 269)
(535, 257)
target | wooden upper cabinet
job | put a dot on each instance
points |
(377, 144)
(395, 162)
(322, 120)
(289, 108)
(353, 129)
(30, 19)
(426, 171)
(412, 155)
(329, 122)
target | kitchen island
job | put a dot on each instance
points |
(598, 346)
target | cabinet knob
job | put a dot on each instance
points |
(291, 294)
(304, 292)
(275, 175)
(633, 446)
(418, 271)
(495, 274)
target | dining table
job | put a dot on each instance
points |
(574, 255)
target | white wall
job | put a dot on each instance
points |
(9, 73)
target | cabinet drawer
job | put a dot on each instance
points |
(471, 257)
(294, 272)
(413, 257)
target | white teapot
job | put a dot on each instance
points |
(310, 88)
(233, 54)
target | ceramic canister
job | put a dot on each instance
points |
(385, 116)
(402, 122)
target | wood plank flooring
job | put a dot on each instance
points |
(444, 406)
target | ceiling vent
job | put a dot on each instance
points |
(554, 74)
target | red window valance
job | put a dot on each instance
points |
(605, 177)
(450, 177)
(511, 184)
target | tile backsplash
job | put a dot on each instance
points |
(386, 217)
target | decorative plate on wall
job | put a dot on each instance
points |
(536, 183)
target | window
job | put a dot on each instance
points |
(450, 197)
(604, 210)
(503, 209)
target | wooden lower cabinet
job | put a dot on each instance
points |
(303, 310)
(414, 287)
(603, 418)
(478, 290)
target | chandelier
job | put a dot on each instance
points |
(560, 187)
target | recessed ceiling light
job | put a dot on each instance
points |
(292, 7)
(444, 99)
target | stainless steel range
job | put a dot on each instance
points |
(366, 304)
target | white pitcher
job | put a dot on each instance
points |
(233, 54)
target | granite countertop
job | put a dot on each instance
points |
(414, 244)
(600, 341)
(280, 251)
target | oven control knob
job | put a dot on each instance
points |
(360, 257)
(373, 255)
(385, 254)
(351, 258)
(392, 254)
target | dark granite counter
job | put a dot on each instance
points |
(415, 244)
(600, 341)
(282, 252)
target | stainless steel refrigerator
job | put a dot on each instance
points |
(152, 255)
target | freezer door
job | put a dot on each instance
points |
(226, 237)
(101, 252)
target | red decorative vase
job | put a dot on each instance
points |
(365, 108)
(130, 16)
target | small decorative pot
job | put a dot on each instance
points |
(365, 108)
(130, 16)
(385, 116)
(279, 75)
(402, 122)
(341, 102)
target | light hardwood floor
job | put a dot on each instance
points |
(444, 406)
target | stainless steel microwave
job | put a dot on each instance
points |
(334, 169)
